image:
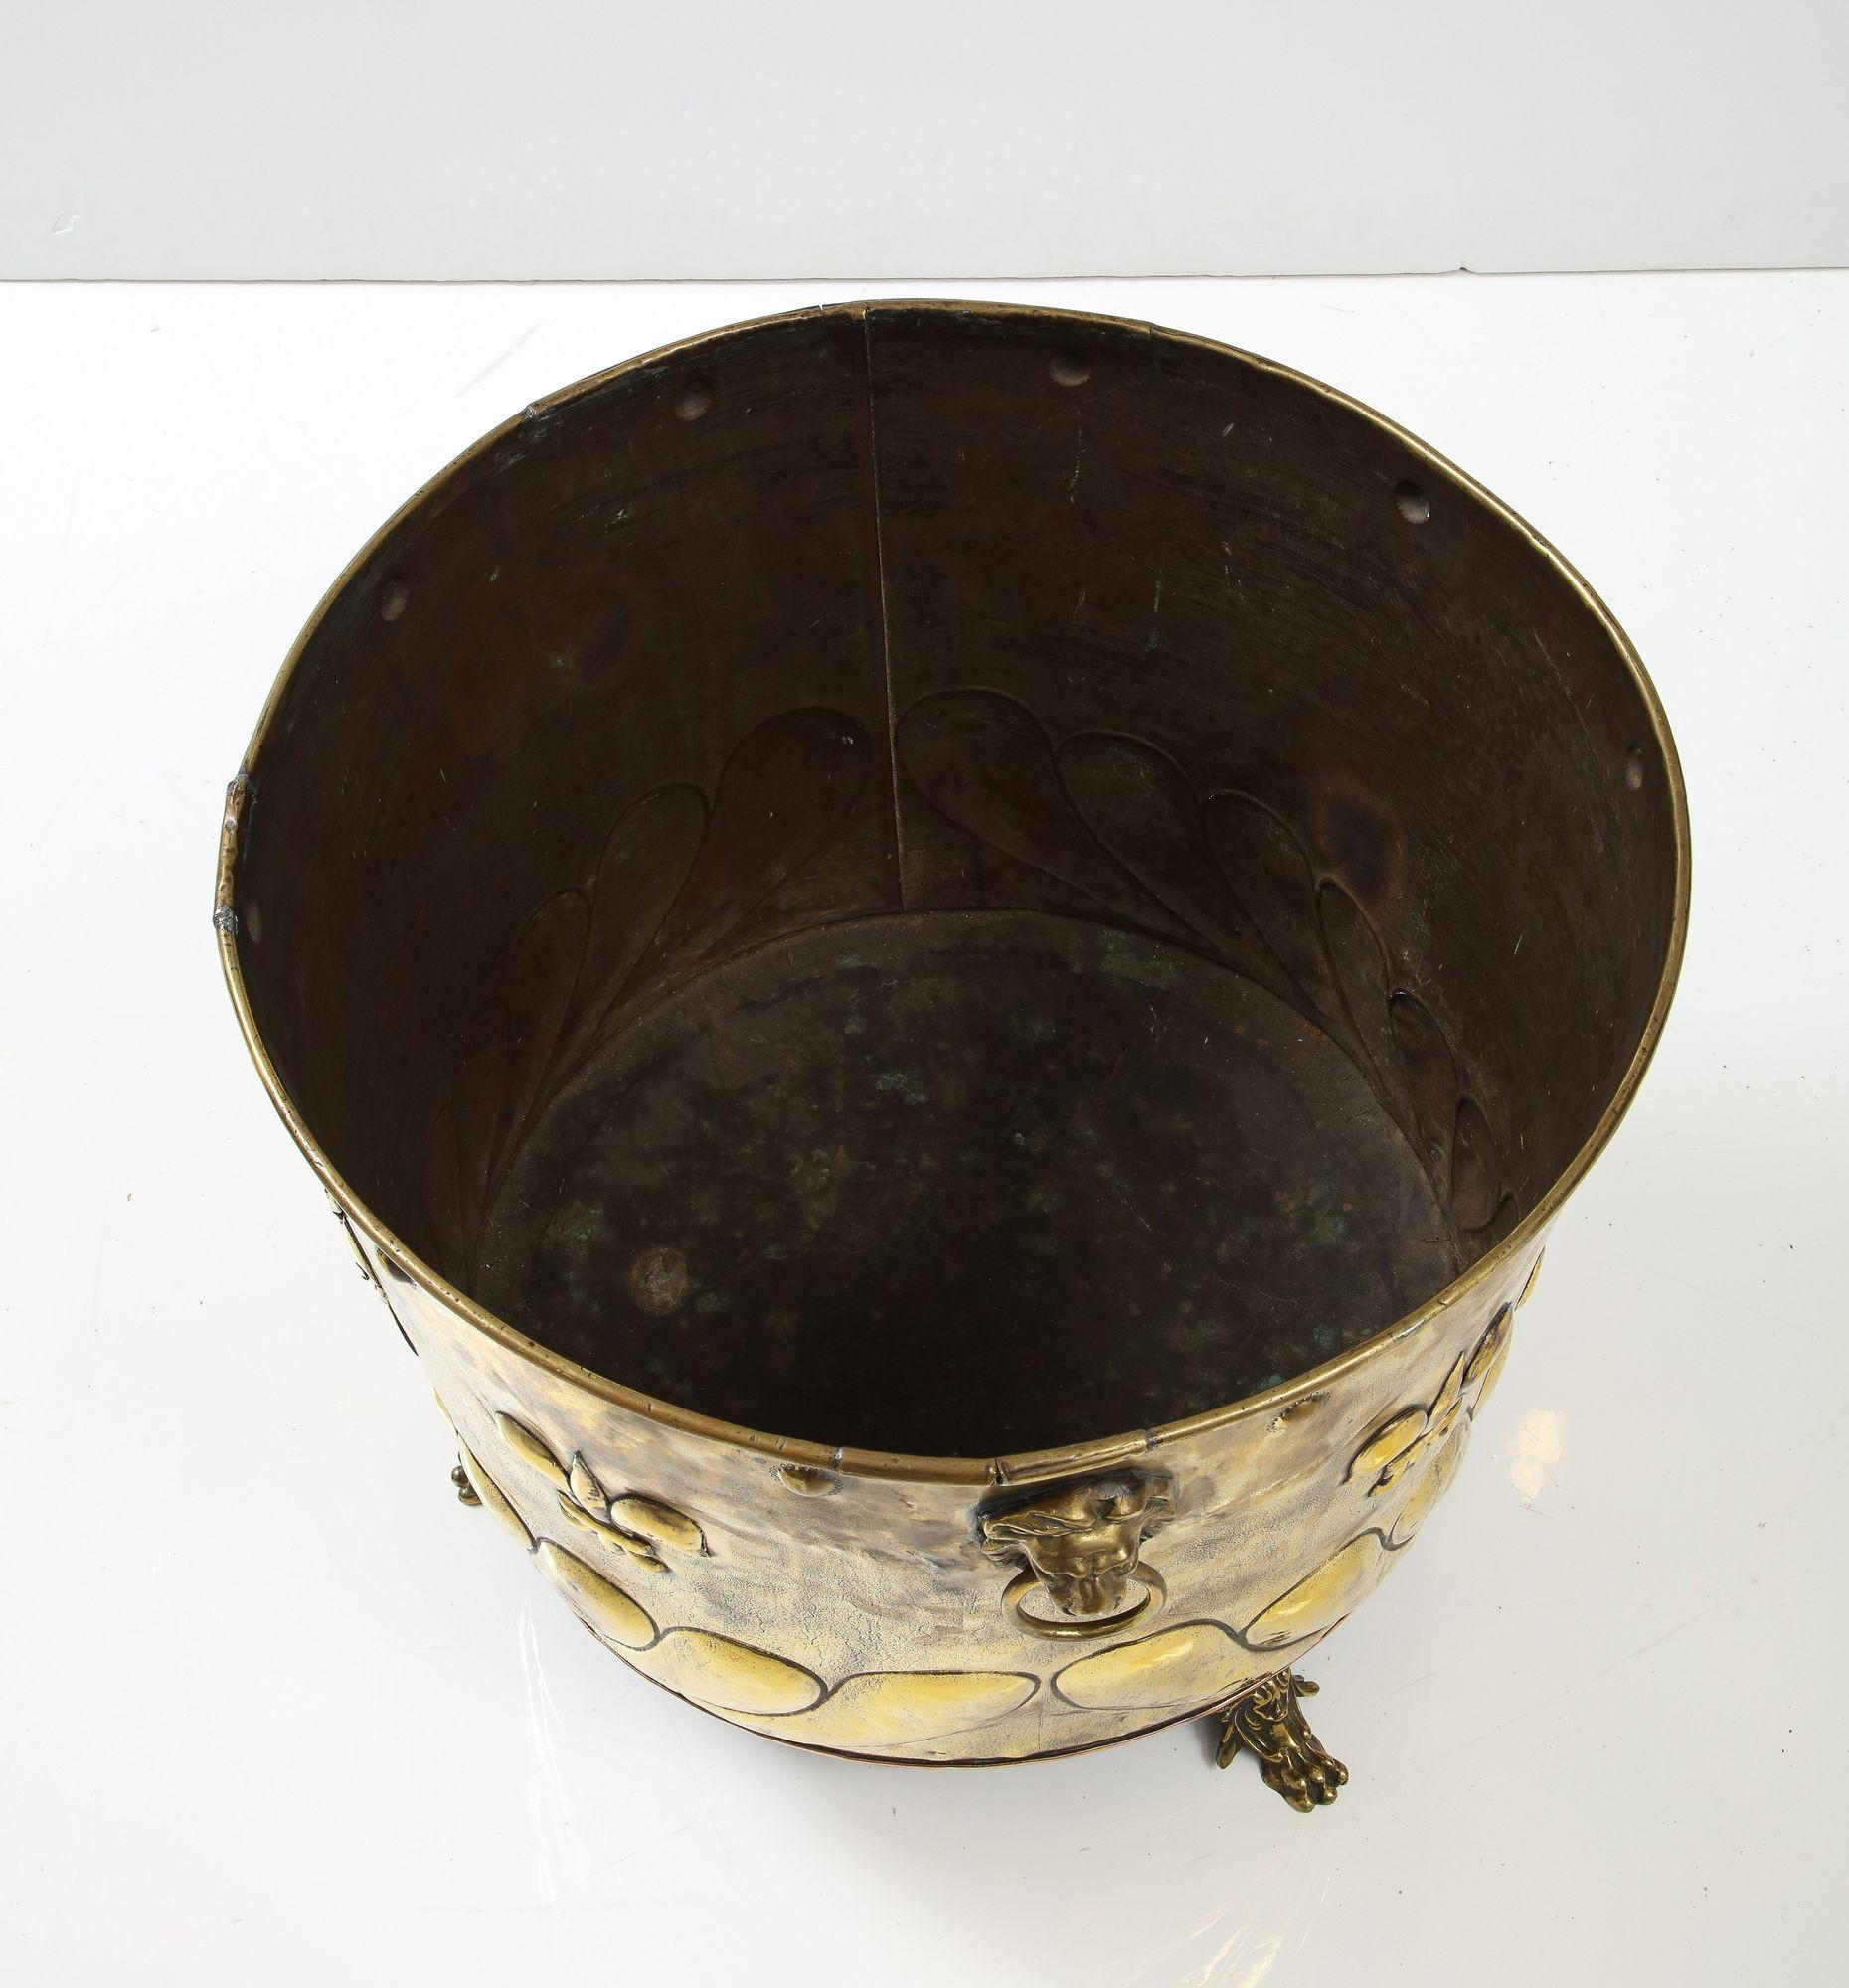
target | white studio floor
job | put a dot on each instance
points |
(274, 1708)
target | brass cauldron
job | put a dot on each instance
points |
(948, 962)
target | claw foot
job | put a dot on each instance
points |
(1269, 1722)
(465, 1491)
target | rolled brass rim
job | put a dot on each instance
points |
(1496, 1264)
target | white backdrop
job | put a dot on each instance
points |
(605, 138)
(275, 1710)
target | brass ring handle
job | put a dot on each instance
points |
(1080, 1545)
(1015, 1594)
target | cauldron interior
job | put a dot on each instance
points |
(953, 878)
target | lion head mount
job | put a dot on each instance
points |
(1084, 1542)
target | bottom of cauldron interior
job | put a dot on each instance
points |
(963, 1183)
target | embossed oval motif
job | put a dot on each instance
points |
(1192, 1664)
(729, 1676)
(1320, 1599)
(600, 1602)
(808, 1479)
(893, 1708)
(1433, 1484)
(658, 1522)
(1492, 1350)
(494, 1499)
(531, 1450)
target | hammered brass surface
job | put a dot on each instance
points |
(899, 1646)
(950, 985)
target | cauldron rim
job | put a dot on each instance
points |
(1495, 1263)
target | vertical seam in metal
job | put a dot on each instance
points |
(885, 634)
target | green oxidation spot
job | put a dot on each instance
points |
(855, 1025)
(1033, 1028)
(900, 1084)
(1129, 959)
(708, 1305)
(1270, 1381)
(1324, 1338)
(581, 1222)
(1318, 1217)
(1044, 1201)
(1036, 1141)
(847, 961)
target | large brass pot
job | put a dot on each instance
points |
(947, 962)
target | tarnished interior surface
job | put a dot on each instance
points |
(902, 1155)
(953, 878)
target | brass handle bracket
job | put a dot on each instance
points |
(1079, 1546)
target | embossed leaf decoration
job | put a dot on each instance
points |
(788, 788)
(1430, 1077)
(531, 1449)
(632, 1544)
(586, 1488)
(643, 868)
(985, 763)
(1476, 1186)
(1265, 866)
(670, 886)
(1112, 817)
(658, 1522)
(1499, 1224)
(539, 990)
(1391, 1441)
(1137, 801)
(1361, 970)
(480, 1082)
